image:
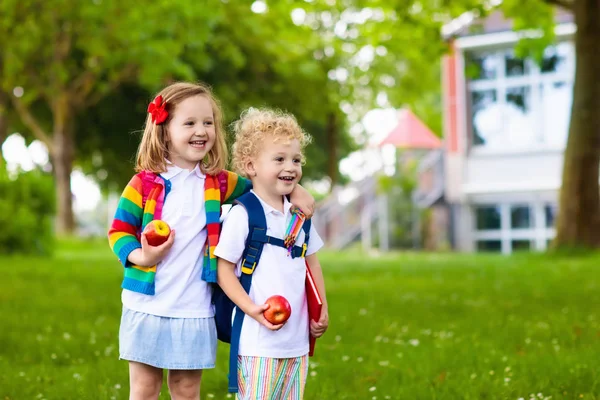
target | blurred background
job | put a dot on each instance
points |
(442, 129)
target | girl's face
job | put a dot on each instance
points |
(191, 132)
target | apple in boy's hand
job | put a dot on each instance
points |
(157, 232)
(279, 310)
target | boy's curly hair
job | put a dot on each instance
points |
(255, 125)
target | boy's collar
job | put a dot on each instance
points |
(270, 209)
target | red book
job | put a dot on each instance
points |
(313, 299)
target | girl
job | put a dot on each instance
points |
(167, 320)
(273, 359)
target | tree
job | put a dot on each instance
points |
(59, 63)
(405, 36)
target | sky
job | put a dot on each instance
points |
(358, 165)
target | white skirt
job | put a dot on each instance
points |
(168, 343)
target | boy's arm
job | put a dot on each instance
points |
(122, 235)
(317, 329)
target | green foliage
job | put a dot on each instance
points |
(26, 211)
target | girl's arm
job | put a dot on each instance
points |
(234, 290)
(238, 185)
(317, 329)
(122, 235)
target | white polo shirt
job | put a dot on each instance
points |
(180, 292)
(276, 273)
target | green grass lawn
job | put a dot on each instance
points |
(403, 326)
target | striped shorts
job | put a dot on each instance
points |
(261, 378)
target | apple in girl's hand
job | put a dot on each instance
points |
(279, 310)
(157, 232)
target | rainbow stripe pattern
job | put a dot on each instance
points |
(272, 378)
(142, 201)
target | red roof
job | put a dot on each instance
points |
(411, 133)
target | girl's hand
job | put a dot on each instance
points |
(152, 255)
(317, 329)
(257, 311)
(302, 199)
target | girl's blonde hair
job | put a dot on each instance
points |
(255, 125)
(152, 151)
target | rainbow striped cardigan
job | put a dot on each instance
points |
(142, 201)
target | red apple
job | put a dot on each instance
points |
(157, 232)
(279, 310)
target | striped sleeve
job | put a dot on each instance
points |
(235, 186)
(122, 235)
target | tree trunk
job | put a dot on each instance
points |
(332, 142)
(62, 164)
(579, 214)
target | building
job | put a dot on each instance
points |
(505, 128)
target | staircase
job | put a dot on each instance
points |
(351, 212)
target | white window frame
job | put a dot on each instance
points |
(538, 234)
(501, 83)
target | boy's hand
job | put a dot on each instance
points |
(152, 255)
(317, 329)
(302, 199)
(257, 311)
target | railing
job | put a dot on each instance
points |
(430, 179)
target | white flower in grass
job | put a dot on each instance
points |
(385, 340)
(400, 355)
(414, 342)
(67, 336)
(527, 340)
(362, 311)
(359, 359)
(229, 395)
(338, 338)
(21, 374)
(372, 389)
(77, 376)
(345, 358)
(374, 398)
(53, 356)
(39, 338)
(313, 365)
(506, 380)
(387, 397)
(506, 369)
(39, 396)
(384, 363)
(473, 376)
(520, 398)
(117, 386)
(313, 373)
(378, 338)
(210, 395)
(492, 372)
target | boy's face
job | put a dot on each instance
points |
(277, 168)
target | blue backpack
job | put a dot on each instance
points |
(257, 238)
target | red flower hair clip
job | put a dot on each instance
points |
(157, 110)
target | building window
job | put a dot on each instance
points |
(520, 217)
(521, 245)
(550, 210)
(492, 246)
(518, 103)
(488, 218)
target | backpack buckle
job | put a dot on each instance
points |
(303, 250)
(248, 270)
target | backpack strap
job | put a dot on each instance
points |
(255, 242)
